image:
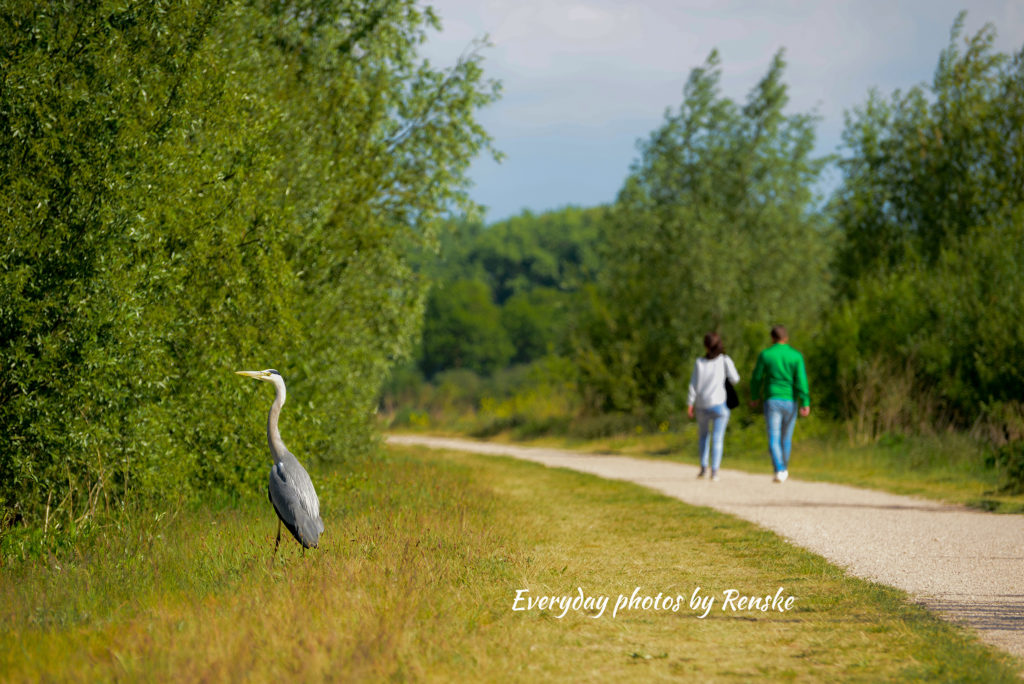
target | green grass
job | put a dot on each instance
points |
(416, 577)
(947, 467)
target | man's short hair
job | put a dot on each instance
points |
(779, 333)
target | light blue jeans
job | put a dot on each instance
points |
(780, 417)
(711, 422)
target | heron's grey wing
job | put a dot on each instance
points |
(296, 503)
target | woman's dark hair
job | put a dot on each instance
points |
(713, 343)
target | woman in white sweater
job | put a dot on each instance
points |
(707, 399)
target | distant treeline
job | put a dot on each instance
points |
(506, 294)
(903, 288)
(198, 187)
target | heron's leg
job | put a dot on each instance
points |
(278, 541)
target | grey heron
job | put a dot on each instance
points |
(291, 489)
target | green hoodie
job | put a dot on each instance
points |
(780, 374)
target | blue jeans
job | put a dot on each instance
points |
(780, 417)
(716, 418)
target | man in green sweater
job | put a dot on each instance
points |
(780, 380)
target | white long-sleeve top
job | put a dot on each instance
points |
(707, 383)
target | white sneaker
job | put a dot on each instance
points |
(714, 476)
(781, 476)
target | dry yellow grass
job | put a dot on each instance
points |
(416, 579)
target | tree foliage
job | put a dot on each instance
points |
(714, 229)
(195, 187)
(463, 330)
(927, 166)
(930, 213)
(528, 268)
(556, 250)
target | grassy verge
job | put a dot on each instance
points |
(945, 467)
(417, 576)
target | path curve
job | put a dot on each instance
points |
(966, 565)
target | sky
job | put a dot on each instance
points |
(584, 80)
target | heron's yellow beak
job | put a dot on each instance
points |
(251, 374)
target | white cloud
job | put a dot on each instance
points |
(608, 69)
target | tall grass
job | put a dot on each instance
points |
(416, 577)
(401, 538)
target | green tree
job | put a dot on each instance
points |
(928, 165)
(556, 249)
(536, 322)
(195, 187)
(532, 266)
(714, 229)
(463, 329)
(930, 214)
(379, 158)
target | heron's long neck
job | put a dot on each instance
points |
(273, 435)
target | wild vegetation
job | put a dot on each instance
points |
(417, 576)
(901, 288)
(197, 187)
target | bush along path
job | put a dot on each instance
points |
(966, 565)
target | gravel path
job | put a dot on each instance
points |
(966, 565)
